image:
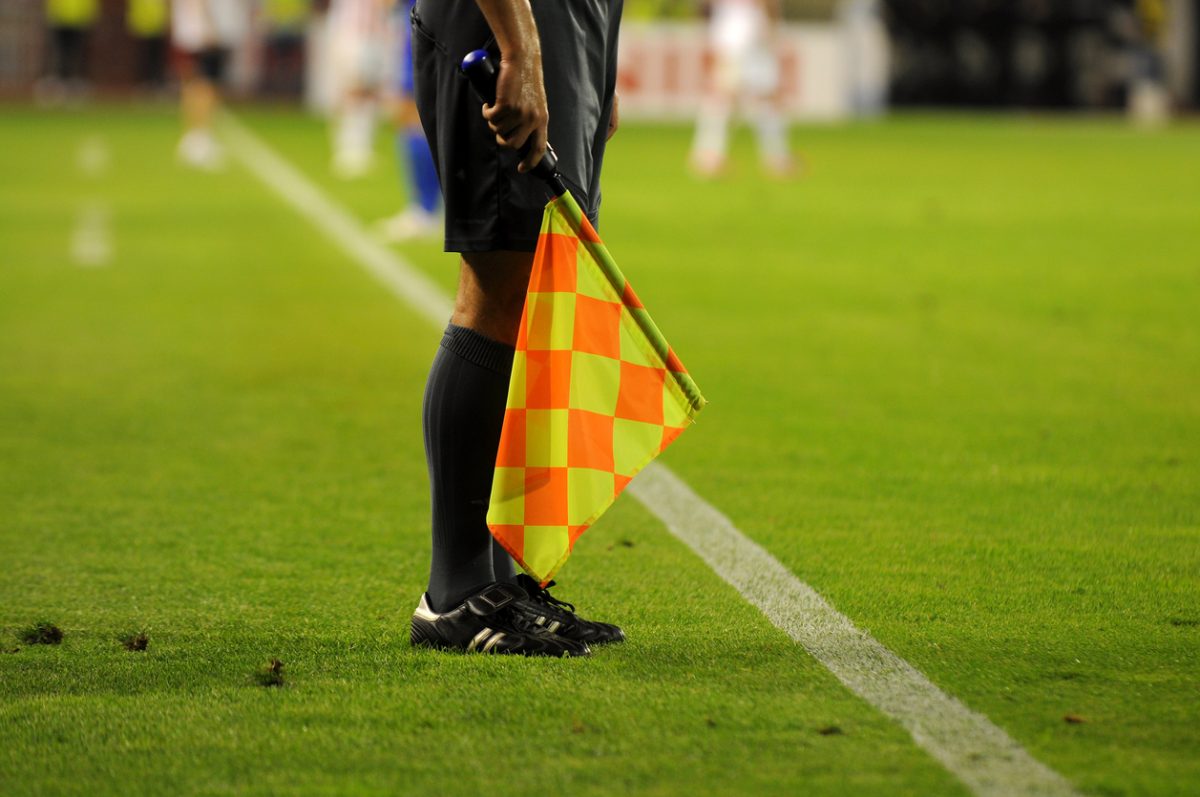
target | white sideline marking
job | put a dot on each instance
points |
(983, 756)
(93, 158)
(966, 743)
(420, 292)
(91, 238)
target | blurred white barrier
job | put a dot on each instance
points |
(826, 70)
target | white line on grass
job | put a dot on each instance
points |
(93, 157)
(420, 292)
(982, 755)
(91, 237)
(965, 742)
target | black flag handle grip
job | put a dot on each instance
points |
(481, 71)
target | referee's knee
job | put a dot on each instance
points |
(491, 295)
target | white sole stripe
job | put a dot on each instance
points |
(966, 743)
(479, 639)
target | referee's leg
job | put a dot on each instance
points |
(463, 413)
(491, 293)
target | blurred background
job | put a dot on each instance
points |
(837, 57)
(935, 263)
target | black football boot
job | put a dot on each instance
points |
(542, 610)
(490, 621)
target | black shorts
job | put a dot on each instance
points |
(489, 206)
(211, 61)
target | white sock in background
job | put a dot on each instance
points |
(711, 142)
(772, 137)
(354, 139)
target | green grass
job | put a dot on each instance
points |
(955, 385)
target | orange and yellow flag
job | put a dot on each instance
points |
(596, 394)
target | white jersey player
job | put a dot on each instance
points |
(745, 71)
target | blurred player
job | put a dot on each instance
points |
(746, 71)
(146, 21)
(1149, 99)
(70, 23)
(420, 218)
(357, 31)
(865, 40)
(204, 31)
(283, 23)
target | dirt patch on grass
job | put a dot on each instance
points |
(138, 641)
(271, 674)
(42, 633)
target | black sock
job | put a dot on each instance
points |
(464, 412)
(502, 564)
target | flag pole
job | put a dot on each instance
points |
(480, 70)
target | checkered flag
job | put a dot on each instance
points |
(596, 394)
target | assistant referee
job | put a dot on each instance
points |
(557, 81)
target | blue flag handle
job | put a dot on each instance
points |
(481, 71)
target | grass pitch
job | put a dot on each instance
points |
(955, 385)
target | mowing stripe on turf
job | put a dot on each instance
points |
(979, 753)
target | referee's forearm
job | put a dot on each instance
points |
(512, 24)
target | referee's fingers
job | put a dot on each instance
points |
(507, 124)
(537, 148)
(503, 133)
(501, 117)
(504, 128)
(515, 138)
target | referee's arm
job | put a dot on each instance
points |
(519, 114)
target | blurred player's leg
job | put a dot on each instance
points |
(357, 31)
(354, 135)
(146, 22)
(773, 149)
(205, 31)
(761, 87)
(201, 73)
(1149, 97)
(70, 25)
(710, 146)
(422, 173)
(419, 218)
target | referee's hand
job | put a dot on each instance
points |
(519, 115)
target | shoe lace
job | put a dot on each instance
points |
(542, 594)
